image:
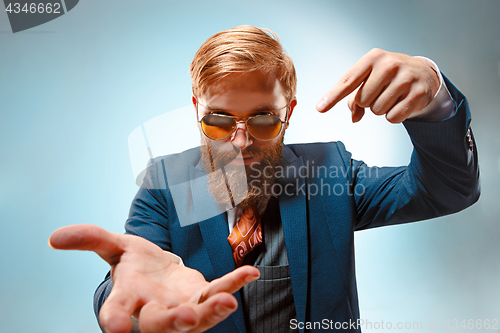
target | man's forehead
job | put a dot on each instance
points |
(248, 81)
(253, 90)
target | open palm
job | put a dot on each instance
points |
(164, 296)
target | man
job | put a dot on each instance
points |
(299, 243)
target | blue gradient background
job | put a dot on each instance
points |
(72, 90)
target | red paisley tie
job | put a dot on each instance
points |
(246, 234)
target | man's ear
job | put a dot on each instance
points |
(195, 102)
(293, 103)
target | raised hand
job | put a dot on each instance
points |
(147, 284)
(391, 84)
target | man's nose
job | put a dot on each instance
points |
(241, 138)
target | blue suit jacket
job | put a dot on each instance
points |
(442, 178)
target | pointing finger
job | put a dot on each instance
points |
(352, 79)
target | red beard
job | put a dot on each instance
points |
(240, 185)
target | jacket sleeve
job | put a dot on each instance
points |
(442, 177)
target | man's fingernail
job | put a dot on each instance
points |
(252, 278)
(321, 105)
(182, 325)
(222, 310)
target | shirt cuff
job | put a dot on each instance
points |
(441, 107)
(175, 258)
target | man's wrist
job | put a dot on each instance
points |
(441, 107)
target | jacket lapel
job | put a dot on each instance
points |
(215, 232)
(294, 220)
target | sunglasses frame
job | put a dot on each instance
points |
(241, 121)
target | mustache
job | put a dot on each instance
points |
(251, 152)
(230, 153)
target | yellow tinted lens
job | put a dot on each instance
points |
(217, 127)
(264, 127)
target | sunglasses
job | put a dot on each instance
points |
(262, 127)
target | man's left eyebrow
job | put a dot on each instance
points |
(215, 108)
(267, 108)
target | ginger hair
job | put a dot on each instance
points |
(238, 50)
